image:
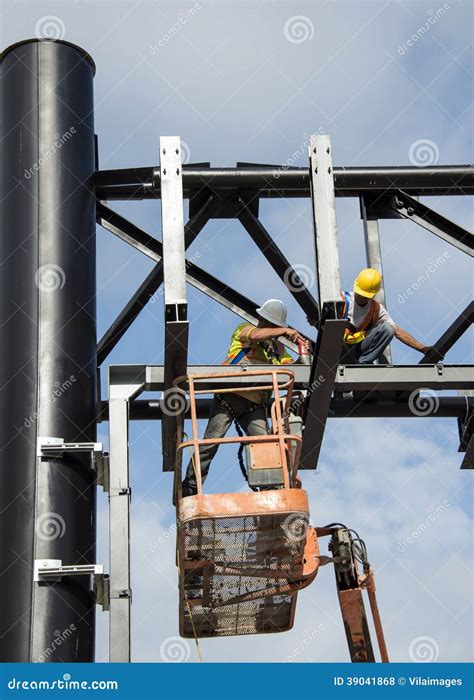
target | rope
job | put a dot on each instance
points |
(198, 649)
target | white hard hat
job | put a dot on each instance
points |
(273, 310)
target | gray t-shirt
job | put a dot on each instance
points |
(357, 313)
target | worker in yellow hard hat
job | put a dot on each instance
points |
(257, 345)
(369, 327)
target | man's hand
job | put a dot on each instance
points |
(430, 349)
(291, 334)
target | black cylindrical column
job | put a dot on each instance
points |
(47, 348)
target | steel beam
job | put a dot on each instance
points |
(324, 220)
(410, 208)
(282, 181)
(119, 532)
(348, 377)
(323, 377)
(448, 407)
(404, 377)
(373, 255)
(450, 336)
(174, 287)
(153, 248)
(196, 276)
(468, 460)
(277, 260)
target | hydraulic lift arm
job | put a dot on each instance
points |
(347, 551)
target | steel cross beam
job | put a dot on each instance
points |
(447, 407)
(277, 260)
(174, 288)
(450, 336)
(153, 248)
(196, 276)
(410, 208)
(282, 181)
(348, 377)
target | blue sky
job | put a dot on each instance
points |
(232, 85)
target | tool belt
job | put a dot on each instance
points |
(231, 412)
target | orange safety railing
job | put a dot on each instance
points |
(279, 416)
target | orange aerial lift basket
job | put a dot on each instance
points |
(243, 557)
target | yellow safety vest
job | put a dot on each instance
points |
(371, 319)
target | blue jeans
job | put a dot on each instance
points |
(371, 348)
(254, 423)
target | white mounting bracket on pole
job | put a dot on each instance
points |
(56, 447)
(53, 570)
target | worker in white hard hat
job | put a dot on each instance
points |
(369, 327)
(256, 345)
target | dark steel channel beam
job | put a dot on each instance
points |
(144, 183)
(277, 260)
(450, 336)
(154, 279)
(468, 460)
(174, 289)
(412, 209)
(449, 407)
(321, 386)
(48, 368)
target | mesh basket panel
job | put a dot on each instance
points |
(273, 541)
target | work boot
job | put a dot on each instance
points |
(187, 490)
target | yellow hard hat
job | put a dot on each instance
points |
(368, 282)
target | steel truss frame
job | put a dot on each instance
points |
(235, 193)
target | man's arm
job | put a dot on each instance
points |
(258, 334)
(409, 340)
